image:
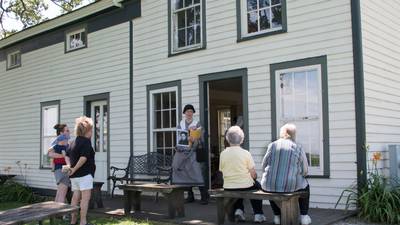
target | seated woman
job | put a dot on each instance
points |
(285, 167)
(237, 167)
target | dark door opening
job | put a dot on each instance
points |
(225, 108)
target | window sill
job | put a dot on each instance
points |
(186, 51)
(255, 36)
(13, 67)
(75, 49)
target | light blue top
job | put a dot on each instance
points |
(285, 167)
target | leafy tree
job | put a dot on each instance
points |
(30, 12)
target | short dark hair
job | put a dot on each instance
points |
(59, 128)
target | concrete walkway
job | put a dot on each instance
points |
(204, 214)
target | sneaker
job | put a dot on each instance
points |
(305, 220)
(277, 219)
(239, 215)
(259, 218)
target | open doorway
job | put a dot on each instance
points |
(224, 103)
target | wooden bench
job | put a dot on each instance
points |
(151, 167)
(173, 193)
(36, 212)
(288, 202)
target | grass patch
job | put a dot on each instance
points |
(108, 221)
(10, 205)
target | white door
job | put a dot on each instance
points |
(98, 112)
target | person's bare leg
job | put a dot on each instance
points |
(62, 190)
(85, 205)
(76, 197)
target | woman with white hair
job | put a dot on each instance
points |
(285, 167)
(237, 167)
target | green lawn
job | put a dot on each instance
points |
(94, 220)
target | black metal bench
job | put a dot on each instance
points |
(151, 167)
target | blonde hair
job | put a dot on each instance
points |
(288, 131)
(83, 125)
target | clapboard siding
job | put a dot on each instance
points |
(315, 27)
(381, 54)
(49, 74)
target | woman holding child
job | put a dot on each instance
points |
(186, 169)
(57, 153)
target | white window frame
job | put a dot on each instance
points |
(43, 150)
(10, 57)
(174, 28)
(243, 22)
(312, 170)
(74, 32)
(151, 108)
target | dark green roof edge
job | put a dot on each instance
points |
(361, 151)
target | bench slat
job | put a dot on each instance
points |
(163, 188)
(261, 195)
(35, 212)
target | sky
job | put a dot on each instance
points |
(51, 12)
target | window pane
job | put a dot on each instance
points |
(264, 19)
(264, 3)
(188, 3)
(252, 22)
(105, 128)
(196, 1)
(173, 100)
(157, 101)
(276, 16)
(181, 38)
(165, 100)
(46, 142)
(251, 5)
(190, 17)
(97, 128)
(173, 118)
(313, 93)
(83, 34)
(300, 93)
(178, 4)
(168, 139)
(166, 119)
(50, 118)
(159, 139)
(181, 19)
(198, 34)
(275, 2)
(158, 119)
(190, 36)
(197, 14)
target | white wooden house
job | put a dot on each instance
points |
(331, 67)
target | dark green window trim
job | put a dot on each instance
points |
(203, 27)
(84, 26)
(44, 104)
(152, 87)
(241, 38)
(320, 60)
(20, 61)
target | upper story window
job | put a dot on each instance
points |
(13, 59)
(76, 39)
(187, 25)
(262, 17)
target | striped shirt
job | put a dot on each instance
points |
(285, 167)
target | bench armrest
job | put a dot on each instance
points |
(115, 169)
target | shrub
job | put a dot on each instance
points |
(377, 200)
(12, 191)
